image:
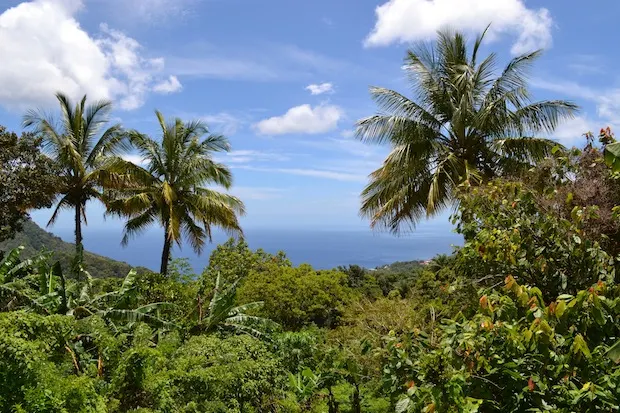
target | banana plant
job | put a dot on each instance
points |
(20, 281)
(223, 314)
(35, 285)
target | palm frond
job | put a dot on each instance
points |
(541, 117)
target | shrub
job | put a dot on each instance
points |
(295, 297)
(515, 354)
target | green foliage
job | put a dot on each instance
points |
(581, 178)
(223, 314)
(234, 260)
(298, 350)
(35, 240)
(28, 180)
(508, 232)
(36, 368)
(206, 374)
(296, 297)
(515, 354)
(407, 337)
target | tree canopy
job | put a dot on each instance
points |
(28, 180)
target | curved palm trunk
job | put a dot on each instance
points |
(165, 255)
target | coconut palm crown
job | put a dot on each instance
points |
(82, 149)
(466, 122)
(171, 188)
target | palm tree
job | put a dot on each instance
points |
(465, 123)
(170, 188)
(82, 151)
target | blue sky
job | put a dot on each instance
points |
(286, 80)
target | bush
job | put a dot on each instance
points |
(296, 297)
(211, 374)
(507, 232)
(514, 354)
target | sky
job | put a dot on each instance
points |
(286, 80)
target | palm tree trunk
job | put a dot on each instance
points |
(78, 259)
(165, 255)
(78, 226)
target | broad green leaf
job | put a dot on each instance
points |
(580, 346)
(614, 352)
(612, 156)
(402, 405)
(599, 317)
(560, 309)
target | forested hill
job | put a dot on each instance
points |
(35, 239)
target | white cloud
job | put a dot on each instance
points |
(565, 87)
(310, 172)
(136, 159)
(156, 11)
(224, 68)
(347, 133)
(246, 156)
(607, 100)
(346, 145)
(169, 85)
(319, 89)
(224, 122)
(302, 119)
(264, 63)
(609, 105)
(570, 133)
(586, 64)
(413, 20)
(44, 50)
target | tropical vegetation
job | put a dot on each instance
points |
(464, 123)
(171, 188)
(81, 149)
(523, 317)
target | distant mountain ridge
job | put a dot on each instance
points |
(34, 239)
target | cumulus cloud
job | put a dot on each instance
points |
(169, 85)
(319, 89)
(413, 20)
(302, 119)
(44, 50)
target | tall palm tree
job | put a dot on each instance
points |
(81, 149)
(465, 122)
(171, 186)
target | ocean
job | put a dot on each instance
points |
(323, 249)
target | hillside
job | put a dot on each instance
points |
(35, 239)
